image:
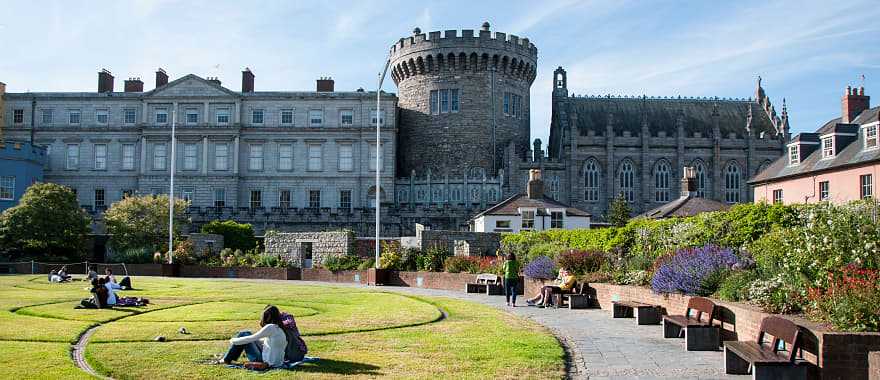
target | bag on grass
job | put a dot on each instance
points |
(256, 366)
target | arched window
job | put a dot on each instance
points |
(493, 195)
(476, 173)
(591, 181)
(554, 187)
(625, 180)
(661, 182)
(731, 182)
(702, 178)
(456, 194)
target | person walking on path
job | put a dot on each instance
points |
(511, 278)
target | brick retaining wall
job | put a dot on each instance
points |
(431, 280)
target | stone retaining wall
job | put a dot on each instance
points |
(324, 244)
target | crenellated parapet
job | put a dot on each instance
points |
(451, 51)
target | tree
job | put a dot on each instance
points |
(47, 222)
(142, 221)
(619, 211)
(235, 235)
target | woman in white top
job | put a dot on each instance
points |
(271, 336)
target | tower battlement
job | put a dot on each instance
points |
(451, 39)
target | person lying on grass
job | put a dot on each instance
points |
(98, 299)
(273, 341)
(564, 282)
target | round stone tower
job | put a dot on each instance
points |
(463, 100)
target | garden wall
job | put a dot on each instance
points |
(286, 245)
(431, 280)
(838, 355)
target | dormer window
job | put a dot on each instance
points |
(828, 147)
(871, 136)
(794, 156)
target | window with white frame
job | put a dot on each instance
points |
(285, 157)
(777, 196)
(256, 200)
(18, 116)
(314, 198)
(502, 225)
(257, 117)
(190, 156)
(221, 156)
(625, 177)
(731, 183)
(287, 117)
(871, 136)
(346, 118)
(506, 104)
(435, 100)
(453, 100)
(316, 157)
(824, 190)
(99, 197)
(255, 157)
(284, 199)
(346, 157)
(556, 219)
(73, 117)
(223, 116)
(512, 104)
(7, 188)
(187, 193)
(794, 155)
(129, 116)
(72, 156)
(373, 155)
(661, 182)
(100, 156)
(702, 183)
(867, 186)
(46, 116)
(219, 197)
(316, 118)
(828, 147)
(591, 181)
(161, 116)
(192, 116)
(373, 118)
(102, 117)
(345, 199)
(528, 219)
(127, 156)
(160, 155)
(442, 101)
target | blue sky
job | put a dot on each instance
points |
(805, 51)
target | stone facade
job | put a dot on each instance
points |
(294, 247)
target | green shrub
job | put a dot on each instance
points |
(367, 264)
(142, 255)
(850, 300)
(431, 260)
(235, 235)
(736, 286)
(339, 263)
(545, 249)
(409, 257)
(392, 256)
(580, 262)
(459, 264)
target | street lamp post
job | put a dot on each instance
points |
(379, 153)
(171, 191)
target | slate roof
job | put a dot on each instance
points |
(662, 114)
(510, 206)
(685, 206)
(851, 155)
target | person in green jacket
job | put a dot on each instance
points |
(511, 278)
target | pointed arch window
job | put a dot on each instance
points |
(702, 180)
(591, 181)
(625, 181)
(731, 183)
(661, 182)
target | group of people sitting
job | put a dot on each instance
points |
(59, 275)
(564, 282)
(104, 292)
(276, 344)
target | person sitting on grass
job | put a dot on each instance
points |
(63, 274)
(296, 347)
(511, 278)
(114, 300)
(564, 282)
(98, 299)
(92, 275)
(53, 276)
(273, 341)
(125, 284)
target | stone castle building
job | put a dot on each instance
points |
(455, 140)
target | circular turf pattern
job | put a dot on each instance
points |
(357, 332)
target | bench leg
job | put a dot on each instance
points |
(648, 316)
(735, 365)
(702, 338)
(779, 372)
(671, 330)
(620, 311)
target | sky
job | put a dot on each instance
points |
(806, 51)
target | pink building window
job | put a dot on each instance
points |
(777, 196)
(824, 191)
(867, 182)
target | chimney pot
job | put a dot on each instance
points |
(854, 103)
(105, 81)
(689, 182)
(161, 78)
(134, 85)
(325, 84)
(247, 80)
(214, 80)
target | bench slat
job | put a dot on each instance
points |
(684, 322)
(632, 304)
(755, 354)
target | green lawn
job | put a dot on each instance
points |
(357, 333)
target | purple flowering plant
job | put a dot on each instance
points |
(689, 269)
(540, 267)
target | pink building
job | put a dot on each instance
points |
(837, 163)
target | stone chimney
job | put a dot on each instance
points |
(689, 182)
(853, 103)
(535, 188)
(161, 78)
(247, 80)
(538, 154)
(214, 80)
(134, 85)
(105, 81)
(325, 84)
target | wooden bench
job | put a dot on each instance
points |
(767, 361)
(699, 335)
(646, 314)
(576, 298)
(483, 283)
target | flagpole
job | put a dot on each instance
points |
(171, 191)
(379, 154)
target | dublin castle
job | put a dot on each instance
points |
(454, 141)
